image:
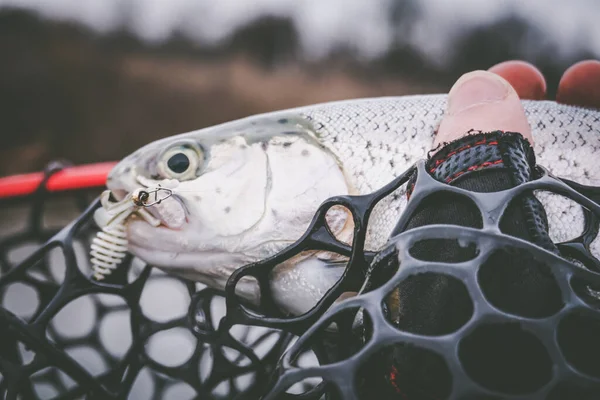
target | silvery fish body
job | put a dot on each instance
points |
(252, 186)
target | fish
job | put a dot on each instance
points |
(246, 189)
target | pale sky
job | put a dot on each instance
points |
(322, 25)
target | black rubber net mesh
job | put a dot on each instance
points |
(148, 335)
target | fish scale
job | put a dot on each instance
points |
(305, 151)
(377, 139)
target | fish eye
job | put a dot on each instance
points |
(180, 162)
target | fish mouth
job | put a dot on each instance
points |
(172, 212)
(118, 194)
(161, 205)
(169, 212)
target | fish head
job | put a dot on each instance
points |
(241, 192)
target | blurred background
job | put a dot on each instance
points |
(92, 80)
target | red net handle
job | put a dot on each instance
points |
(70, 178)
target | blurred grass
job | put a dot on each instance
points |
(67, 93)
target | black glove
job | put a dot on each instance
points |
(433, 304)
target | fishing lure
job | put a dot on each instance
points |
(109, 246)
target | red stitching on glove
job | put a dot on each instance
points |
(468, 146)
(474, 168)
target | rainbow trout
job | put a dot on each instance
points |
(241, 191)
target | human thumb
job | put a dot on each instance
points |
(482, 101)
